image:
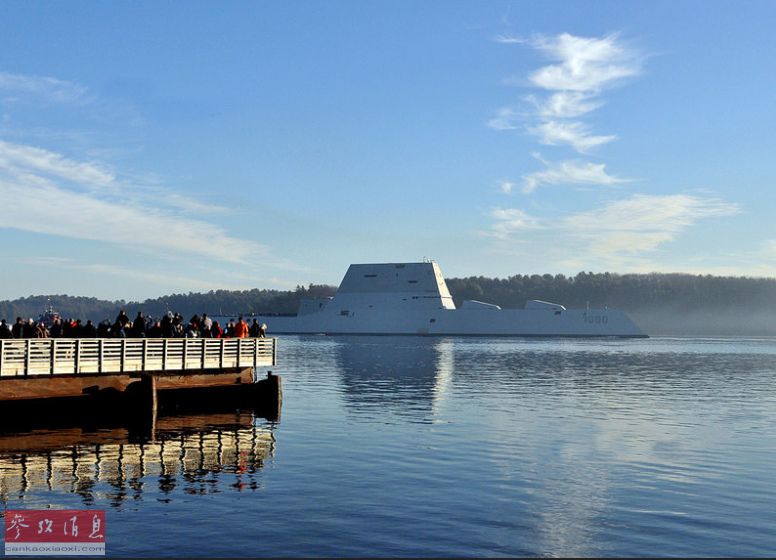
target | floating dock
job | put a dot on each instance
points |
(133, 369)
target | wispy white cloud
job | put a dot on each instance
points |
(197, 276)
(582, 68)
(191, 206)
(641, 223)
(564, 104)
(506, 119)
(43, 88)
(618, 235)
(585, 64)
(42, 192)
(656, 213)
(508, 221)
(569, 172)
(183, 282)
(506, 186)
(575, 134)
(18, 158)
(507, 39)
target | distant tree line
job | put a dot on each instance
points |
(215, 303)
(630, 292)
(663, 303)
(670, 304)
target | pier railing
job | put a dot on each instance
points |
(62, 356)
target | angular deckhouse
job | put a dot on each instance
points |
(412, 298)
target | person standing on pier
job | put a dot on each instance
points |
(89, 330)
(138, 329)
(166, 325)
(122, 320)
(41, 331)
(18, 328)
(5, 330)
(56, 328)
(240, 328)
(156, 330)
(29, 330)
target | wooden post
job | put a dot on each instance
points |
(100, 355)
(221, 362)
(150, 389)
(53, 346)
(255, 352)
(185, 350)
(27, 345)
(77, 359)
(123, 354)
(239, 347)
(204, 343)
(145, 353)
(164, 354)
(142, 405)
(271, 396)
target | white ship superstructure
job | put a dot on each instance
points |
(413, 298)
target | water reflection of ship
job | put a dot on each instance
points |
(403, 374)
(187, 452)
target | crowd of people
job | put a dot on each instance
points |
(170, 325)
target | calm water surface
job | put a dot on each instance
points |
(403, 446)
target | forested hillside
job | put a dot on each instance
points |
(660, 303)
(685, 292)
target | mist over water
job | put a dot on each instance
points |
(733, 321)
(412, 446)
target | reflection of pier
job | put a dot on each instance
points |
(187, 452)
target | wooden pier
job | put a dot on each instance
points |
(32, 369)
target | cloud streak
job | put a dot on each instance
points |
(42, 192)
(506, 119)
(618, 234)
(574, 134)
(628, 229)
(570, 172)
(581, 69)
(43, 88)
(19, 159)
(564, 104)
(584, 64)
(509, 221)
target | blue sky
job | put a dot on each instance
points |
(156, 147)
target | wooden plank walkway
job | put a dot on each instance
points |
(60, 356)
